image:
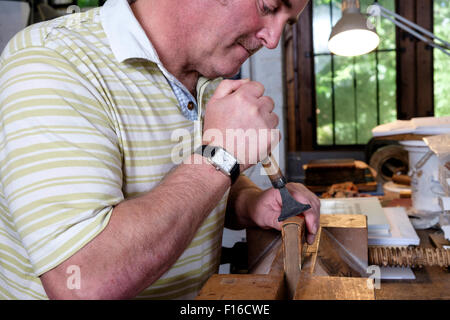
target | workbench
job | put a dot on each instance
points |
(335, 266)
(431, 283)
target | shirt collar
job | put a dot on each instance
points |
(126, 36)
(129, 41)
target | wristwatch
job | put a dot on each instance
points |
(221, 160)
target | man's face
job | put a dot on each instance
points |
(235, 29)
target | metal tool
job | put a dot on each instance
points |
(290, 207)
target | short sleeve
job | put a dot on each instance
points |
(61, 164)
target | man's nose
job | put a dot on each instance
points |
(270, 33)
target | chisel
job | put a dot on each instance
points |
(290, 207)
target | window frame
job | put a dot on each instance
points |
(300, 76)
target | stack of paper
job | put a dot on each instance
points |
(377, 223)
(419, 126)
(402, 231)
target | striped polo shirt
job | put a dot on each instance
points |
(88, 118)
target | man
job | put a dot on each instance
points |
(93, 205)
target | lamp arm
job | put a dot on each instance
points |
(409, 27)
(412, 24)
(416, 34)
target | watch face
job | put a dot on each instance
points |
(223, 160)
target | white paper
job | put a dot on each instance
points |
(446, 230)
(402, 231)
(377, 222)
(397, 273)
(419, 126)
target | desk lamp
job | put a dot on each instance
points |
(354, 35)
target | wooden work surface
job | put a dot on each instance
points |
(431, 283)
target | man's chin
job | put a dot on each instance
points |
(222, 72)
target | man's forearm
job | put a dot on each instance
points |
(243, 192)
(144, 236)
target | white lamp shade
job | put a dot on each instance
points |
(351, 35)
(353, 42)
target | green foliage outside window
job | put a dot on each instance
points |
(364, 92)
(441, 60)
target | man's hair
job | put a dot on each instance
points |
(131, 1)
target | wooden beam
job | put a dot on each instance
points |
(300, 83)
(333, 288)
(406, 64)
(306, 115)
(243, 287)
(415, 97)
(424, 61)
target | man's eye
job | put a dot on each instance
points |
(267, 9)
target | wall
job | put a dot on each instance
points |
(266, 67)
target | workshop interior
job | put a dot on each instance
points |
(362, 90)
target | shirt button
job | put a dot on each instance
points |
(190, 105)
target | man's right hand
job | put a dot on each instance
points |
(240, 119)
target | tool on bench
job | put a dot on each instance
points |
(293, 233)
(290, 207)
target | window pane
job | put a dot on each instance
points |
(366, 97)
(385, 28)
(344, 100)
(387, 86)
(356, 93)
(322, 11)
(323, 100)
(441, 60)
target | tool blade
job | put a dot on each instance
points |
(290, 206)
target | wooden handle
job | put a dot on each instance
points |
(274, 172)
(293, 234)
(402, 179)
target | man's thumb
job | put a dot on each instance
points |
(227, 87)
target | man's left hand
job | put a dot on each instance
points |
(266, 208)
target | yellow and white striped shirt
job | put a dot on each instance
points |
(87, 120)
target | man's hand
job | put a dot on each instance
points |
(239, 118)
(265, 208)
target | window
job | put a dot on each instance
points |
(441, 9)
(353, 95)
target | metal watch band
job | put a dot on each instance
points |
(208, 151)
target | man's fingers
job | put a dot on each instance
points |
(267, 103)
(227, 87)
(310, 238)
(254, 88)
(312, 220)
(312, 216)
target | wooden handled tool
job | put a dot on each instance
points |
(293, 234)
(402, 179)
(290, 206)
